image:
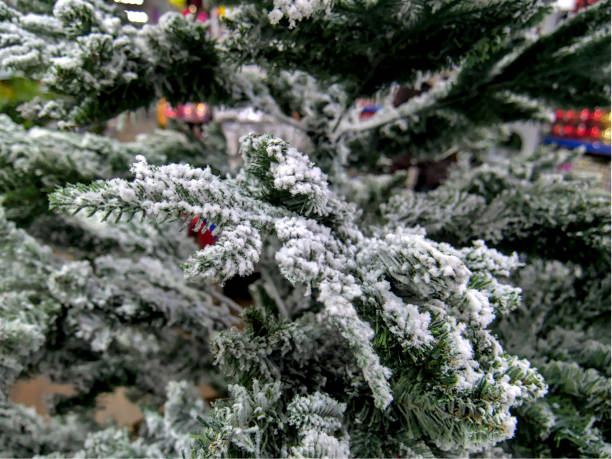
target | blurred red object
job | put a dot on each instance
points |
(596, 115)
(583, 4)
(203, 238)
(191, 112)
(584, 114)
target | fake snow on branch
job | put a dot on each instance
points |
(296, 10)
(427, 295)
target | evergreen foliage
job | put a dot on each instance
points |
(562, 324)
(101, 66)
(565, 332)
(514, 203)
(472, 320)
(34, 162)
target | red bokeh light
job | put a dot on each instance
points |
(584, 114)
(596, 116)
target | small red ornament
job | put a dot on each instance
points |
(596, 115)
(198, 229)
(205, 238)
(584, 114)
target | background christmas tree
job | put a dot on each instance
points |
(473, 319)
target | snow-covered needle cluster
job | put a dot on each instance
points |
(423, 297)
(380, 321)
(296, 10)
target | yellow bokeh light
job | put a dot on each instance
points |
(179, 3)
(162, 120)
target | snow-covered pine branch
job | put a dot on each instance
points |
(104, 67)
(520, 201)
(281, 194)
(368, 336)
(35, 161)
(99, 315)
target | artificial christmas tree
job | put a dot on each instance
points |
(469, 320)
